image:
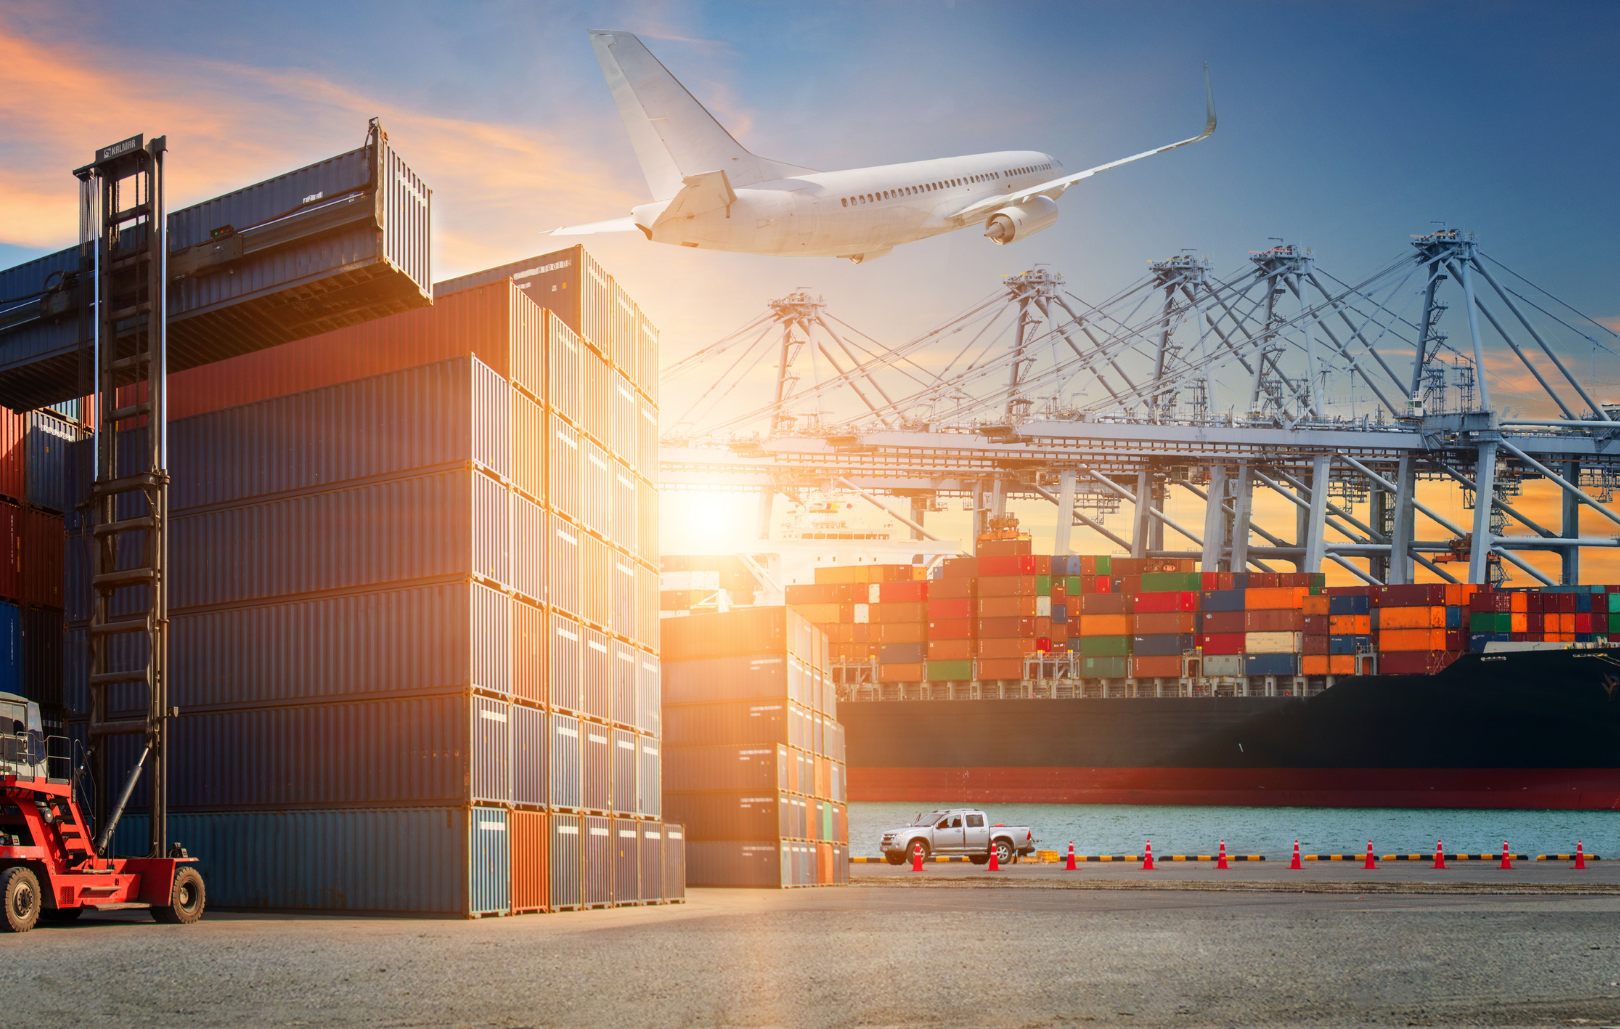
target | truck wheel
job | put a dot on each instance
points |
(186, 900)
(895, 858)
(20, 888)
(61, 914)
(1004, 852)
(917, 845)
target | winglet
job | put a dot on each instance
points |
(1209, 106)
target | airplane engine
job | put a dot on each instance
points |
(1020, 220)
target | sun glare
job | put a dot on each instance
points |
(706, 523)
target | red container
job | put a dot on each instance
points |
(1456, 639)
(1583, 623)
(1209, 580)
(1224, 581)
(884, 614)
(1491, 602)
(1043, 564)
(1222, 621)
(13, 453)
(950, 629)
(1349, 591)
(1533, 621)
(913, 592)
(1316, 625)
(1006, 628)
(1414, 595)
(11, 537)
(1262, 580)
(1164, 623)
(1165, 601)
(1006, 607)
(1008, 648)
(1019, 564)
(1102, 604)
(1104, 584)
(1565, 602)
(1002, 548)
(952, 589)
(939, 609)
(1415, 662)
(1007, 586)
(1223, 643)
(1315, 644)
(1273, 621)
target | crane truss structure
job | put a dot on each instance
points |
(1359, 402)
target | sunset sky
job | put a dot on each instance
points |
(1344, 127)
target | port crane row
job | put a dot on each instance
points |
(1347, 399)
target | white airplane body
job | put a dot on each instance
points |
(715, 195)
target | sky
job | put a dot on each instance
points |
(1345, 127)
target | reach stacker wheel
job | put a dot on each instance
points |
(186, 900)
(20, 888)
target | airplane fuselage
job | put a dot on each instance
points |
(860, 212)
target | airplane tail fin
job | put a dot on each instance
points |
(673, 136)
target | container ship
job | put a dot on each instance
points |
(1011, 677)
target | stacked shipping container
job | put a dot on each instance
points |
(427, 597)
(33, 452)
(753, 752)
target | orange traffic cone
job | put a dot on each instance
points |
(1370, 862)
(1580, 855)
(1295, 863)
(1070, 866)
(1439, 854)
(1220, 862)
(916, 858)
(1505, 862)
(1147, 863)
(995, 866)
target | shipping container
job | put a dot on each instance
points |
(595, 573)
(757, 863)
(566, 688)
(531, 769)
(621, 527)
(649, 694)
(649, 778)
(489, 885)
(738, 816)
(738, 767)
(626, 862)
(406, 860)
(597, 675)
(333, 244)
(675, 873)
(530, 843)
(597, 412)
(37, 646)
(529, 666)
(567, 863)
(530, 533)
(564, 467)
(596, 746)
(626, 766)
(566, 763)
(624, 707)
(654, 873)
(565, 384)
(622, 594)
(596, 488)
(597, 836)
(741, 632)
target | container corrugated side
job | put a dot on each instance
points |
(745, 721)
(567, 763)
(531, 749)
(596, 487)
(621, 530)
(647, 364)
(735, 816)
(432, 638)
(530, 631)
(649, 695)
(489, 869)
(598, 395)
(649, 777)
(732, 767)
(566, 688)
(755, 863)
(674, 862)
(478, 322)
(528, 366)
(626, 861)
(650, 862)
(597, 675)
(597, 834)
(48, 441)
(414, 750)
(567, 862)
(596, 747)
(622, 593)
(409, 860)
(625, 694)
(530, 845)
(14, 450)
(40, 647)
(565, 384)
(595, 573)
(623, 434)
(648, 632)
(563, 563)
(563, 468)
(646, 521)
(492, 750)
(530, 435)
(647, 440)
(711, 680)
(626, 766)
(37, 556)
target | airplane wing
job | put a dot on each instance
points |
(1055, 187)
(612, 225)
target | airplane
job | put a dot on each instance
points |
(713, 194)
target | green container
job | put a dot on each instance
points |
(1105, 564)
(1614, 621)
(1105, 667)
(1490, 621)
(950, 671)
(1171, 582)
(1105, 646)
(1043, 585)
(1614, 603)
(1317, 579)
(1074, 585)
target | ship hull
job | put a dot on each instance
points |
(1524, 730)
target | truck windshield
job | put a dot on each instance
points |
(928, 819)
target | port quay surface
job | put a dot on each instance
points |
(1331, 945)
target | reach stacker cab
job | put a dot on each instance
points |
(50, 867)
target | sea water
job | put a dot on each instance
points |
(1123, 829)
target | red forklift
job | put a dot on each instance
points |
(51, 866)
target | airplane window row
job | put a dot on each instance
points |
(927, 187)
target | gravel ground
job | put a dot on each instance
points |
(935, 951)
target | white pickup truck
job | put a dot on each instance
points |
(957, 831)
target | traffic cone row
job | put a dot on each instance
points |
(1220, 861)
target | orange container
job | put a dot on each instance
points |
(1156, 667)
(823, 614)
(911, 611)
(1007, 648)
(1411, 639)
(1519, 604)
(1428, 617)
(1566, 624)
(1342, 664)
(821, 778)
(1007, 607)
(824, 864)
(1317, 605)
(529, 664)
(1349, 625)
(529, 840)
(950, 650)
(902, 632)
(1001, 668)
(1104, 625)
(1278, 599)
(1317, 664)
(906, 671)
(1007, 586)
(1519, 620)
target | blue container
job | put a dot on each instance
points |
(11, 649)
(567, 862)
(1456, 617)
(1583, 603)
(1165, 645)
(489, 864)
(49, 439)
(597, 670)
(1222, 600)
(1270, 664)
(625, 765)
(1351, 605)
(1240, 580)
(1341, 645)
(902, 653)
(1477, 641)
(597, 835)
(567, 763)
(531, 772)
(411, 860)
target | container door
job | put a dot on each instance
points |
(488, 863)
(626, 862)
(566, 859)
(598, 838)
(652, 862)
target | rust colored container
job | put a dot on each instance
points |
(955, 608)
(1001, 668)
(1349, 625)
(1223, 643)
(1222, 621)
(1273, 599)
(1275, 620)
(824, 864)
(1409, 640)
(951, 629)
(1103, 604)
(531, 868)
(528, 653)
(904, 672)
(912, 592)
(1315, 645)
(13, 454)
(1415, 662)
(1426, 617)
(1006, 647)
(887, 614)
(1156, 667)
(950, 588)
(1008, 627)
(1007, 586)
(903, 632)
(1007, 607)
(1314, 605)
(1105, 625)
(1168, 600)
(1164, 624)
(950, 649)
(1317, 625)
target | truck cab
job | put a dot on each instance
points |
(953, 831)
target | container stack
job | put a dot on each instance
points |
(1164, 624)
(952, 621)
(753, 751)
(33, 449)
(1350, 639)
(414, 632)
(1421, 628)
(874, 615)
